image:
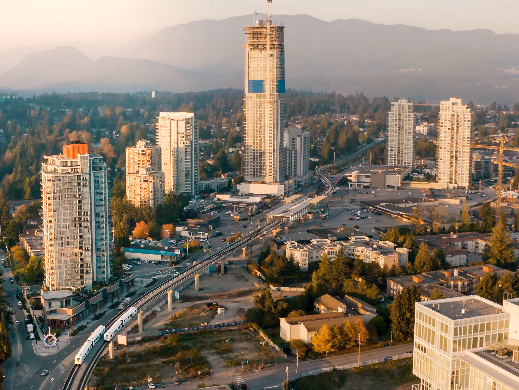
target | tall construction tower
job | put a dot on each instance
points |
(264, 105)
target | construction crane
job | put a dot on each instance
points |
(500, 163)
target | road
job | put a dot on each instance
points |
(270, 378)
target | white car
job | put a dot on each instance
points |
(151, 386)
(44, 373)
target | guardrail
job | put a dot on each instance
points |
(351, 365)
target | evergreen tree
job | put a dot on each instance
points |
(486, 286)
(402, 313)
(436, 294)
(500, 251)
(487, 217)
(465, 218)
(423, 261)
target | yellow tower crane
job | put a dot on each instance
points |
(500, 163)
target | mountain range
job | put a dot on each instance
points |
(345, 56)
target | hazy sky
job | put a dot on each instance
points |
(111, 22)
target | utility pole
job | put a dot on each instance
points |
(297, 362)
(286, 387)
(359, 353)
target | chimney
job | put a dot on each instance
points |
(417, 278)
(456, 272)
(74, 149)
(447, 274)
(488, 268)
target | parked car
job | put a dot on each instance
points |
(44, 373)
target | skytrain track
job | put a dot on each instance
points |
(80, 374)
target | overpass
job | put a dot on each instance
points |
(80, 374)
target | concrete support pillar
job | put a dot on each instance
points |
(111, 350)
(139, 321)
(170, 300)
(222, 267)
(197, 282)
(244, 252)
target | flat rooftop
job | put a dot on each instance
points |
(491, 358)
(464, 307)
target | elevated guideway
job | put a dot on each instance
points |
(80, 374)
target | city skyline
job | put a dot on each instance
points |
(119, 23)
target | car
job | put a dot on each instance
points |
(20, 304)
(388, 359)
(151, 386)
(17, 322)
(44, 373)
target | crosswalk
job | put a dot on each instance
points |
(239, 380)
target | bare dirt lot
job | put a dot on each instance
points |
(192, 355)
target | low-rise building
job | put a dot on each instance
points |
(153, 252)
(31, 241)
(377, 176)
(306, 327)
(382, 252)
(462, 280)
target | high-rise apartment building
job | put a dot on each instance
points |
(297, 144)
(144, 176)
(454, 139)
(401, 126)
(466, 343)
(264, 106)
(76, 221)
(177, 137)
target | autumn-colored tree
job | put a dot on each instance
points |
(323, 340)
(167, 231)
(362, 332)
(141, 230)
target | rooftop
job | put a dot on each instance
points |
(482, 359)
(464, 307)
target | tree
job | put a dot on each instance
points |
(321, 279)
(487, 285)
(423, 261)
(465, 217)
(323, 340)
(436, 294)
(500, 251)
(296, 313)
(141, 230)
(402, 313)
(300, 347)
(487, 217)
(362, 332)
(167, 231)
(32, 269)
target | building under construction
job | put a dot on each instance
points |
(264, 100)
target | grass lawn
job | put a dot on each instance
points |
(395, 375)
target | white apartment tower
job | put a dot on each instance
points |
(76, 221)
(177, 137)
(264, 106)
(297, 144)
(454, 139)
(401, 125)
(466, 343)
(144, 176)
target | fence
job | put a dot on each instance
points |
(349, 366)
(267, 338)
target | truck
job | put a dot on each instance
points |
(30, 328)
(124, 303)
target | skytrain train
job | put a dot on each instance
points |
(118, 325)
(89, 344)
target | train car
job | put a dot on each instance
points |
(118, 325)
(97, 334)
(83, 352)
